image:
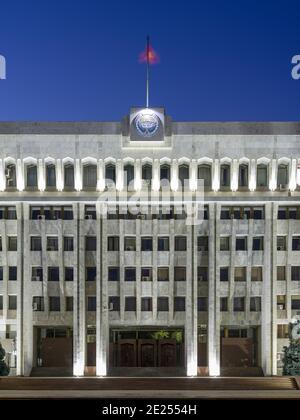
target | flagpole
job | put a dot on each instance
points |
(148, 72)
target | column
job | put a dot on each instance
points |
(20, 293)
(137, 175)
(174, 175)
(2, 176)
(20, 175)
(252, 178)
(119, 175)
(156, 175)
(293, 175)
(234, 175)
(78, 175)
(41, 175)
(101, 175)
(216, 175)
(59, 175)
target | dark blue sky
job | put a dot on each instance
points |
(220, 60)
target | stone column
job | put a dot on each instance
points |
(234, 175)
(41, 175)
(216, 175)
(2, 176)
(20, 302)
(20, 175)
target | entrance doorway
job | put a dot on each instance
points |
(55, 347)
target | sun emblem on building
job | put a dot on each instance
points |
(147, 123)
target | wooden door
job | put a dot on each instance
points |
(167, 353)
(127, 356)
(147, 351)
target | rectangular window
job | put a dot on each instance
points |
(11, 213)
(180, 243)
(202, 243)
(37, 274)
(130, 304)
(146, 304)
(53, 273)
(1, 244)
(180, 273)
(224, 273)
(1, 303)
(296, 243)
(163, 304)
(163, 274)
(238, 304)
(35, 243)
(113, 243)
(225, 176)
(130, 274)
(114, 303)
(91, 243)
(281, 243)
(91, 303)
(12, 243)
(147, 244)
(224, 243)
(223, 304)
(258, 243)
(241, 243)
(129, 243)
(113, 274)
(12, 273)
(31, 178)
(1, 273)
(295, 303)
(258, 213)
(240, 274)
(38, 304)
(281, 273)
(282, 213)
(146, 274)
(69, 274)
(179, 304)
(262, 176)
(281, 302)
(52, 243)
(90, 273)
(69, 303)
(12, 302)
(225, 213)
(68, 243)
(163, 244)
(296, 273)
(54, 304)
(282, 331)
(90, 213)
(202, 304)
(202, 273)
(256, 274)
(255, 304)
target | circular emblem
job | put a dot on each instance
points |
(147, 123)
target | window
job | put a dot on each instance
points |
(1, 303)
(91, 303)
(113, 243)
(179, 304)
(281, 243)
(69, 274)
(281, 302)
(258, 213)
(238, 304)
(10, 175)
(296, 273)
(12, 243)
(224, 243)
(147, 244)
(281, 273)
(296, 243)
(90, 212)
(180, 243)
(90, 273)
(53, 273)
(68, 243)
(67, 213)
(256, 274)
(114, 303)
(129, 243)
(262, 176)
(204, 172)
(202, 273)
(163, 304)
(89, 177)
(110, 175)
(282, 213)
(184, 176)
(54, 304)
(147, 174)
(146, 304)
(37, 274)
(163, 244)
(129, 176)
(225, 213)
(12, 273)
(69, 303)
(293, 213)
(225, 176)
(202, 243)
(255, 304)
(52, 243)
(282, 331)
(163, 274)
(295, 303)
(38, 303)
(243, 176)
(11, 213)
(241, 243)
(258, 243)
(180, 273)
(90, 243)
(113, 274)
(224, 273)
(242, 213)
(50, 176)
(31, 176)
(282, 176)
(130, 274)
(12, 302)
(1, 273)
(240, 274)
(35, 243)
(69, 176)
(165, 174)
(130, 304)
(202, 304)
(146, 274)
(223, 304)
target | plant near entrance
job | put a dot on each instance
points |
(291, 353)
(163, 335)
(4, 369)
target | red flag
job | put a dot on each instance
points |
(149, 56)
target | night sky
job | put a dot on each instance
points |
(219, 60)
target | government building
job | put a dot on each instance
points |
(148, 245)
